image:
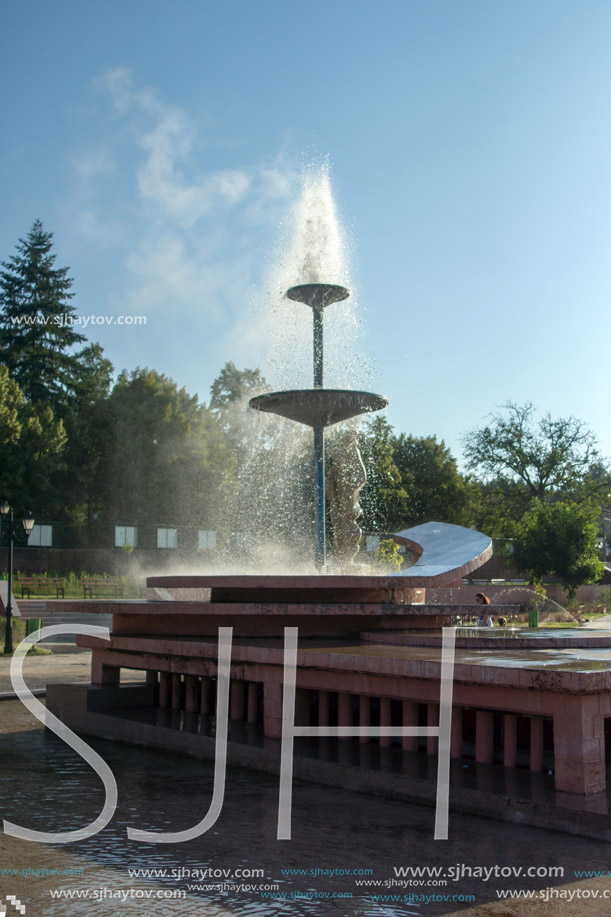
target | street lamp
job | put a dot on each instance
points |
(28, 523)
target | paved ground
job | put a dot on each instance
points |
(600, 624)
(65, 664)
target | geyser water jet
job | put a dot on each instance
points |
(318, 407)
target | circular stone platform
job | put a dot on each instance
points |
(506, 638)
(390, 590)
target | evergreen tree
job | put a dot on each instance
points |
(88, 427)
(37, 328)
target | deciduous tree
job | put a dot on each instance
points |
(541, 457)
(31, 445)
(435, 488)
(561, 539)
(168, 459)
(233, 385)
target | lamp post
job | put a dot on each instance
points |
(6, 510)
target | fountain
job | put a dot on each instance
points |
(369, 649)
(318, 407)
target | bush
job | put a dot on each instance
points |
(388, 554)
(18, 631)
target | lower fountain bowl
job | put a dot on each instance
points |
(318, 407)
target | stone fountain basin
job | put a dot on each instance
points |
(320, 605)
(445, 553)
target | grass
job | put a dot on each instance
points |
(18, 635)
(34, 651)
(73, 589)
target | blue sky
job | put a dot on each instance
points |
(470, 149)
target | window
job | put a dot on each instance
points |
(125, 535)
(206, 540)
(243, 541)
(167, 538)
(41, 536)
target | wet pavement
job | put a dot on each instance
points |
(339, 838)
(339, 841)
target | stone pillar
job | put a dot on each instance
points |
(484, 736)
(192, 693)
(323, 708)
(385, 720)
(510, 739)
(152, 680)
(237, 703)
(456, 738)
(204, 701)
(536, 743)
(253, 696)
(272, 709)
(302, 703)
(344, 709)
(102, 674)
(364, 715)
(410, 718)
(432, 719)
(579, 744)
(165, 689)
(176, 691)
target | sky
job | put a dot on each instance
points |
(164, 145)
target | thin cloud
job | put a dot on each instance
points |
(198, 231)
(168, 143)
(93, 163)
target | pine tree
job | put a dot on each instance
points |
(37, 328)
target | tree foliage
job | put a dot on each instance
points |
(89, 439)
(383, 499)
(271, 492)
(37, 329)
(561, 539)
(31, 446)
(233, 385)
(541, 457)
(520, 460)
(435, 488)
(168, 460)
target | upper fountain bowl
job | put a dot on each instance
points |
(318, 295)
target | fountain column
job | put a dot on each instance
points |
(318, 407)
(319, 448)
